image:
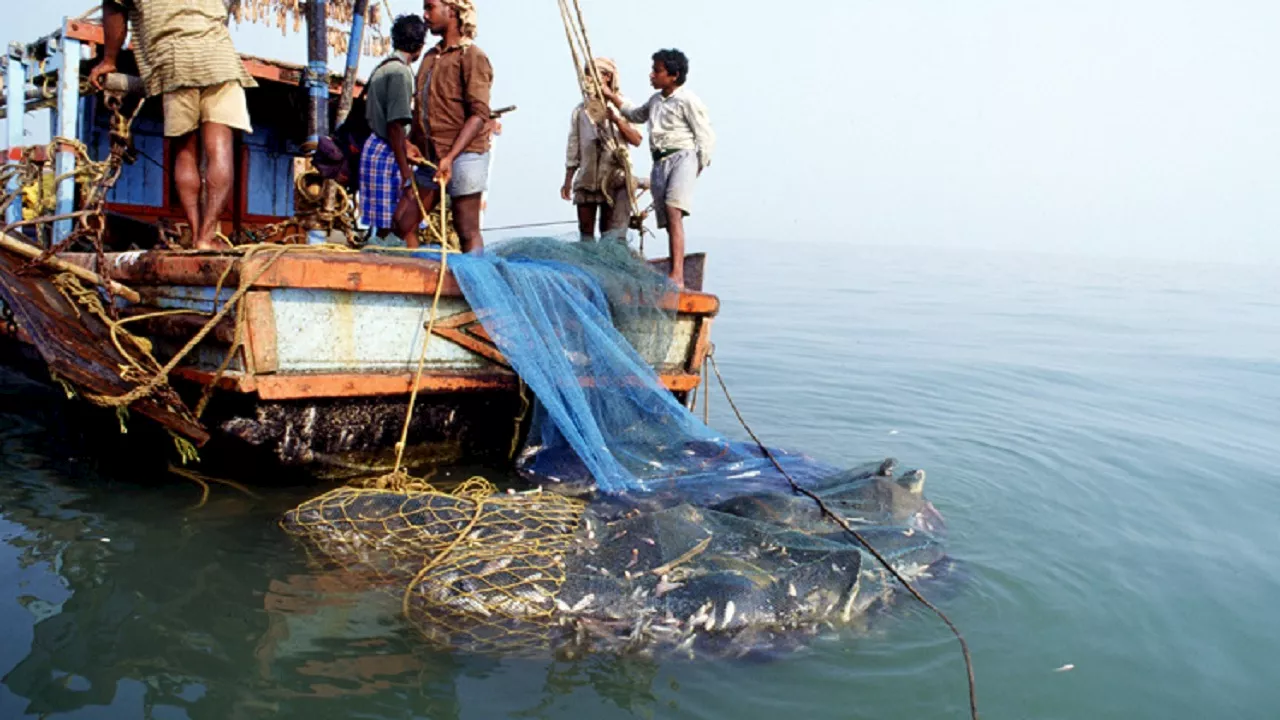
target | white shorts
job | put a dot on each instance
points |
(673, 179)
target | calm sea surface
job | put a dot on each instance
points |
(1102, 436)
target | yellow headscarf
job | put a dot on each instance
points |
(466, 10)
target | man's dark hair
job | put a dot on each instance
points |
(675, 62)
(409, 34)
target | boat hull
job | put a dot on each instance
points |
(322, 354)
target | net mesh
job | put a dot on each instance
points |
(684, 540)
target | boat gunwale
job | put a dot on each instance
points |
(374, 273)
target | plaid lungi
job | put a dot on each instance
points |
(379, 183)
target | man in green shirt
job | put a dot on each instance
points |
(185, 54)
(386, 172)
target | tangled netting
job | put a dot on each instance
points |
(648, 529)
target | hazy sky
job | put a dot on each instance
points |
(1120, 127)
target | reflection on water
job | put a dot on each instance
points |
(1101, 440)
(134, 599)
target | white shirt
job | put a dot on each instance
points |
(588, 153)
(678, 122)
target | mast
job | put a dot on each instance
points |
(317, 76)
(361, 8)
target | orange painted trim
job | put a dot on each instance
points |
(231, 380)
(257, 68)
(353, 272)
(85, 32)
(465, 330)
(351, 385)
(260, 319)
(701, 346)
(484, 350)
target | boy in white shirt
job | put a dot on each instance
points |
(682, 141)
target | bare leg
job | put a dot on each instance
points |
(219, 176)
(466, 219)
(675, 234)
(186, 174)
(408, 216)
(587, 221)
(607, 217)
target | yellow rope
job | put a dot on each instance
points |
(431, 320)
(577, 36)
(525, 405)
(457, 540)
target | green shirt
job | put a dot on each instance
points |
(390, 98)
(183, 44)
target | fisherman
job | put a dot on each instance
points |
(452, 124)
(386, 162)
(682, 141)
(595, 178)
(184, 52)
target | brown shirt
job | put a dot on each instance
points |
(453, 86)
(183, 44)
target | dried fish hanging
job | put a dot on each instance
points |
(289, 16)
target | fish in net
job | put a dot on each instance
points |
(538, 572)
(649, 530)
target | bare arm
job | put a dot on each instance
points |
(470, 130)
(566, 190)
(631, 112)
(398, 139)
(115, 27)
(627, 130)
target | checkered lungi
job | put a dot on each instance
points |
(379, 183)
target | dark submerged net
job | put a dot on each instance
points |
(686, 541)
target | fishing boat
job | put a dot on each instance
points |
(305, 356)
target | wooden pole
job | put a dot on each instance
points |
(353, 61)
(29, 251)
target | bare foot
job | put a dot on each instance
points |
(678, 280)
(215, 244)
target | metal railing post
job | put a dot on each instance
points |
(67, 125)
(15, 114)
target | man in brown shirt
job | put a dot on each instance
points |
(185, 54)
(451, 120)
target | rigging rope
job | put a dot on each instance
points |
(592, 86)
(844, 525)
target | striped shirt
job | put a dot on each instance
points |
(183, 44)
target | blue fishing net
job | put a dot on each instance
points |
(584, 324)
(558, 312)
(677, 538)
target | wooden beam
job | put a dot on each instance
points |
(354, 385)
(31, 252)
(260, 321)
(258, 68)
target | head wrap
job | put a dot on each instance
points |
(607, 65)
(466, 10)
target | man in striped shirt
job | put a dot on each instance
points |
(185, 54)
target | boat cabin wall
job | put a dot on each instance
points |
(266, 159)
(145, 193)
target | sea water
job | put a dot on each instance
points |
(1103, 437)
